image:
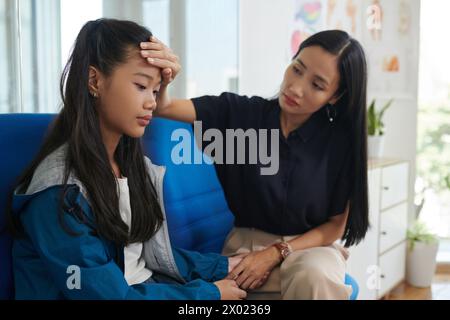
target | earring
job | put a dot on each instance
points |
(94, 94)
(331, 117)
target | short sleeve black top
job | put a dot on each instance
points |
(313, 180)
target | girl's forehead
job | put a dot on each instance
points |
(136, 65)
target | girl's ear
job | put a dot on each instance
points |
(94, 80)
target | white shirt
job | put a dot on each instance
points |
(135, 270)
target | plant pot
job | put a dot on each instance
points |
(375, 145)
(421, 264)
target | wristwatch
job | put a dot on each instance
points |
(284, 248)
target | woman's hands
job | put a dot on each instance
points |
(159, 55)
(254, 269)
(235, 260)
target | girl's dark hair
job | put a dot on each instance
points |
(103, 44)
(352, 110)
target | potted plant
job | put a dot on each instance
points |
(421, 256)
(375, 129)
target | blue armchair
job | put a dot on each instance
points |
(197, 213)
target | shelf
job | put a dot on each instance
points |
(374, 163)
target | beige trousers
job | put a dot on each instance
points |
(315, 273)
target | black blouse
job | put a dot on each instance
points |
(313, 180)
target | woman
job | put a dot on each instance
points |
(87, 214)
(288, 222)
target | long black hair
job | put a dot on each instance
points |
(103, 44)
(351, 107)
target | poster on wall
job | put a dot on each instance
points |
(388, 42)
(382, 26)
(344, 15)
(308, 18)
(311, 16)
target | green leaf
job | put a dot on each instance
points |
(386, 106)
(447, 181)
(371, 119)
(420, 233)
(375, 125)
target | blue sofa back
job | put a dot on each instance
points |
(197, 213)
(20, 138)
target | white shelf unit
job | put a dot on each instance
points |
(378, 262)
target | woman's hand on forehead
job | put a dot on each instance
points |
(159, 55)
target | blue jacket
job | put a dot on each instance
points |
(43, 260)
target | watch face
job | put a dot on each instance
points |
(284, 249)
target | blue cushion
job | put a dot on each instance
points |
(197, 212)
(20, 138)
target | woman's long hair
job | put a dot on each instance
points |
(352, 110)
(103, 44)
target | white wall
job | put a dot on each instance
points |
(264, 31)
(401, 118)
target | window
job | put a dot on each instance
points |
(29, 65)
(40, 55)
(74, 14)
(36, 38)
(9, 91)
(212, 38)
(156, 17)
(433, 149)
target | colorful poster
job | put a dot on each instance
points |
(311, 16)
(308, 19)
(382, 26)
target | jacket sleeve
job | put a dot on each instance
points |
(194, 265)
(99, 277)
